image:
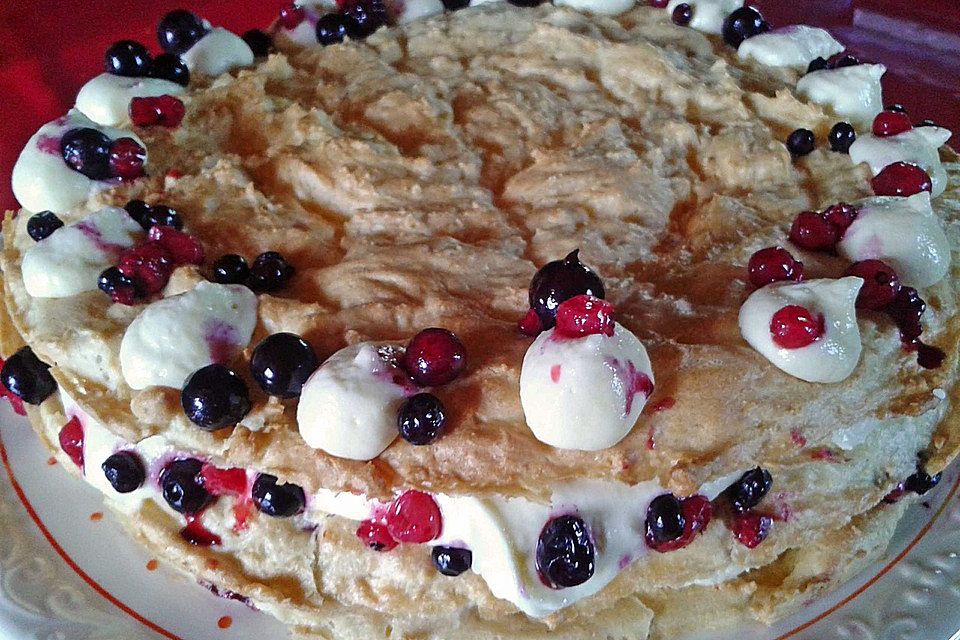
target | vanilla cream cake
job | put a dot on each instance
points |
(478, 319)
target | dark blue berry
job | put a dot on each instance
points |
(842, 136)
(179, 30)
(282, 363)
(526, 3)
(41, 225)
(922, 482)
(818, 64)
(743, 23)
(451, 561)
(258, 41)
(148, 216)
(231, 269)
(926, 123)
(269, 272)
(565, 553)
(277, 500)
(332, 28)
(124, 471)
(365, 17)
(26, 377)
(116, 285)
(749, 490)
(801, 142)
(895, 108)
(127, 58)
(420, 419)
(214, 397)
(87, 151)
(559, 281)
(665, 520)
(181, 486)
(846, 61)
(168, 66)
(454, 5)
(682, 14)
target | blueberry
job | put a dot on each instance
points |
(41, 225)
(801, 142)
(451, 561)
(665, 520)
(526, 3)
(258, 41)
(926, 123)
(181, 486)
(454, 5)
(365, 17)
(87, 151)
(214, 397)
(179, 30)
(420, 419)
(269, 272)
(148, 216)
(277, 500)
(682, 14)
(749, 490)
(127, 58)
(921, 482)
(332, 28)
(168, 66)
(895, 108)
(846, 61)
(230, 269)
(124, 471)
(565, 553)
(282, 363)
(842, 135)
(818, 64)
(26, 377)
(559, 281)
(743, 23)
(116, 285)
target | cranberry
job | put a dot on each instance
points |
(585, 316)
(27, 377)
(749, 490)
(291, 16)
(561, 280)
(148, 266)
(930, 357)
(664, 521)
(179, 30)
(281, 364)
(751, 529)
(87, 151)
(451, 561)
(183, 248)
(180, 484)
(659, 4)
(214, 397)
(415, 517)
(817, 64)
(801, 142)
(124, 471)
(331, 29)
(421, 419)
(434, 357)
(119, 287)
(71, 441)
(794, 327)
(375, 535)
(220, 482)
(230, 269)
(841, 216)
(743, 23)
(277, 500)
(682, 14)
(165, 111)
(127, 158)
(259, 42)
(41, 225)
(811, 231)
(901, 179)
(880, 284)
(565, 553)
(168, 66)
(773, 264)
(842, 136)
(906, 310)
(890, 123)
(127, 58)
(530, 324)
(696, 512)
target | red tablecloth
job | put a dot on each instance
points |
(48, 49)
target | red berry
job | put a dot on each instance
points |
(291, 16)
(375, 535)
(794, 327)
(751, 529)
(584, 316)
(165, 111)
(659, 4)
(773, 264)
(71, 441)
(682, 14)
(434, 357)
(880, 284)
(223, 481)
(127, 158)
(530, 324)
(812, 232)
(901, 179)
(697, 512)
(182, 247)
(841, 216)
(414, 517)
(149, 266)
(890, 123)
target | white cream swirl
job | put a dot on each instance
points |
(789, 46)
(919, 146)
(851, 92)
(106, 98)
(218, 52)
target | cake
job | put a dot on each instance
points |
(583, 320)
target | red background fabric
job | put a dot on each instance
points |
(49, 49)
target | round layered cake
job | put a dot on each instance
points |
(583, 320)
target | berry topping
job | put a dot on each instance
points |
(434, 357)
(149, 216)
(842, 136)
(259, 42)
(127, 158)
(696, 512)
(127, 58)
(845, 61)
(183, 248)
(168, 66)
(817, 64)
(165, 111)
(682, 14)
(665, 521)
(291, 16)
(890, 123)
(71, 441)
(124, 471)
(414, 517)
(179, 30)
(795, 327)
(87, 151)
(452, 561)
(270, 271)
(420, 419)
(773, 264)
(282, 363)
(148, 266)
(364, 17)
(182, 489)
(565, 553)
(880, 284)
(801, 142)
(375, 535)
(230, 269)
(26, 377)
(841, 216)
(277, 500)
(119, 287)
(922, 482)
(585, 315)
(223, 482)
(455, 5)
(751, 529)
(743, 23)
(214, 397)
(332, 28)
(559, 281)
(906, 310)
(530, 324)
(811, 231)
(901, 179)
(41, 225)
(749, 490)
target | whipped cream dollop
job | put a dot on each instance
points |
(43, 181)
(853, 92)
(789, 46)
(602, 7)
(919, 146)
(903, 232)
(157, 351)
(708, 15)
(106, 98)
(70, 259)
(348, 407)
(584, 393)
(832, 357)
(410, 10)
(218, 52)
